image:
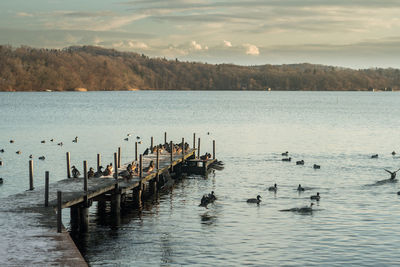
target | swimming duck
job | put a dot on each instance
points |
(398, 193)
(2, 150)
(300, 162)
(212, 197)
(75, 172)
(1, 181)
(300, 188)
(254, 200)
(42, 158)
(43, 141)
(287, 159)
(137, 137)
(207, 199)
(126, 139)
(392, 174)
(316, 166)
(60, 144)
(315, 197)
(11, 141)
(75, 140)
(301, 210)
(273, 188)
(374, 156)
(1, 163)
(91, 173)
(140, 142)
(150, 167)
(30, 156)
(285, 153)
(52, 140)
(393, 153)
(18, 152)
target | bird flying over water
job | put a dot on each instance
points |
(392, 174)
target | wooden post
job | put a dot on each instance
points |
(213, 149)
(98, 161)
(158, 159)
(68, 165)
(31, 175)
(84, 219)
(194, 140)
(136, 151)
(158, 169)
(198, 149)
(165, 137)
(85, 176)
(172, 150)
(183, 148)
(59, 211)
(119, 157)
(46, 189)
(141, 166)
(116, 166)
(151, 144)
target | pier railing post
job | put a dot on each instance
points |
(46, 189)
(116, 166)
(171, 145)
(68, 165)
(151, 144)
(136, 151)
(198, 149)
(158, 159)
(165, 137)
(98, 161)
(85, 176)
(31, 175)
(141, 167)
(59, 211)
(213, 149)
(194, 140)
(119, 157)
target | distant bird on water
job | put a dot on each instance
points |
(392, 174)
(18, 152)
(393, 153)
(287, 159)
(285, 153)
(254, 200)
(273, 188)
(75, 140)
(375, 156)
(30, 156)
(1, 180)
(2, 150)
(60, 144)
(315, 197)
(43, 141)
(42, 158)
(316, 166)
(300, 162)
(300, 188)
(11, 141)
(126, 139)
(51, 140)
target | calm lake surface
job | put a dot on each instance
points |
(354, 223)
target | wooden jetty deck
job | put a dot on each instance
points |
(36, 210)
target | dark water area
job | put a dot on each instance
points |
(356, 221)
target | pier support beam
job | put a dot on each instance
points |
(116, 203)
(75, 217)
(84, 219)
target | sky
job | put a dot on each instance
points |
(348, 33)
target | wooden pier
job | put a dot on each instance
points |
(46, 204)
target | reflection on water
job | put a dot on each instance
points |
(353, 224)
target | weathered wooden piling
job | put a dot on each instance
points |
(68, 165)
(141, 166)
(98, 161)
(194, 140)
(165, 137)
(136, 151)
(116, 166)
(31, 175)
(119, 157)
(46, 189)
(198, 149)
(85, 176)
(75, 217)
(183, 149)
(151, 144)
(59, 211)
(84, 218)
(213, 149)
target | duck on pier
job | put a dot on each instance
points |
(108, 170)
(90, 173)
(206, 156)
(75, 172)
(300, 188)
(99, 172)
(146, 152)
(150, 167)
(254, 200)
(273, 188)
(316, 197)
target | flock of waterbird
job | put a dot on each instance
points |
(210, 198)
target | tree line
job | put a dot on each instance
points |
(95, 68)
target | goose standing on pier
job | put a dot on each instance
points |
(75, 172)
(91, 173)
(99, 172)
(150, 168)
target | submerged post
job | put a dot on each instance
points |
(68, 165)
(85, 176)
(165, 137)
(194, 140)
(59, 209)
(119, 157)
(46, 189)
(31, 175)
(141, 166)
(213, 149)
(136, 151)
(151, 144)
(98, 161)
(116, 166)
(198, 149)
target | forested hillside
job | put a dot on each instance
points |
(95, 68)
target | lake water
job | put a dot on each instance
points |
(354, 223)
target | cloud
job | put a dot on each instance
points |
(24, 14)
(251, 50)
(227, 43)
(197, 47)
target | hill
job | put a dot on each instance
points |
(95, 68)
